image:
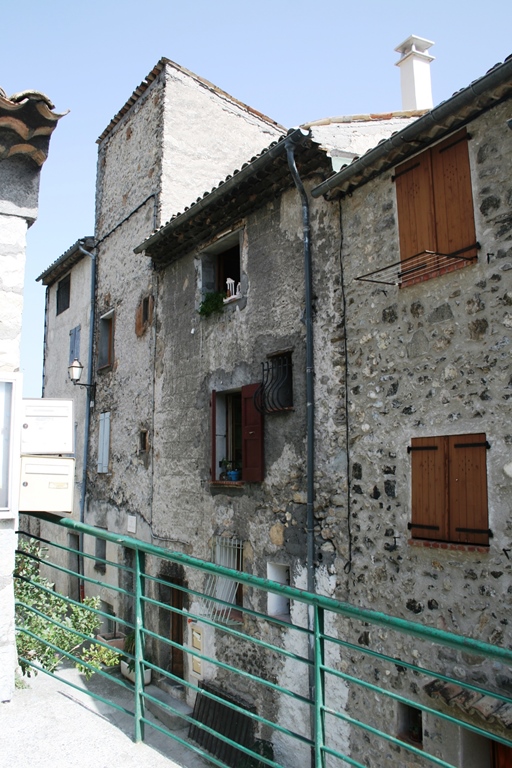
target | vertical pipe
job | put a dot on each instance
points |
(319, 687)
(310, 420)
(139, 645)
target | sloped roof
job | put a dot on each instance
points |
(486, 707)
(151, 77)
(26, 125)
(465, 105)
(64, 263)
(266, 176)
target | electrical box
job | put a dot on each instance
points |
(47, 426)
(47, 484)
(196, 641)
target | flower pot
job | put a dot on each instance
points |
(115, 640)
(130, 673)
(233, 475)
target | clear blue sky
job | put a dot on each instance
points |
(294, 61)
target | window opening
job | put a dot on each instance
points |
(278, 605)
(106, 340)
(100, 551)
(63, 294)
(143, 441)
(220, 274)
(237, 436)
(275, 392)
(410, 724)
(227, 552)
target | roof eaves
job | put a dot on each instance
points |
(297, 135)
(64, 263)
(433, 124)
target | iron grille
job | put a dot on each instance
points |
(275, 392)
(225, 720)
(228, 553)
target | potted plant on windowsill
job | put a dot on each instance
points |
(230, 471)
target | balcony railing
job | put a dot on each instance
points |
(322, 683)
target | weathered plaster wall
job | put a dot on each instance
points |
(428, 359)
(13, 231)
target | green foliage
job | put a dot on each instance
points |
(212, 302)
(50, 619)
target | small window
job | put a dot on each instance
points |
(237, 436)
(275, 392)
(104, 443)
(449, 489)
(227, 552)
(143, 441)
(63, 293)
(100, 553)
(410, 724)
(74, 344)
(278, 605)
(106, 340)
(436, 222)
(144, 315)
(221, 277)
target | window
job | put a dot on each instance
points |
(237, 436)
(278, 605)
(143, 441)
(144, 315)
(227, 552)
(106, 340)
(435, 211)
(449, 489)
(63, 294)
(104, 443)
(275, 392)
(410, 724)
(100, 552)
(74, 344)
(220, 269)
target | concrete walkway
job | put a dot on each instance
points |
(51, 725)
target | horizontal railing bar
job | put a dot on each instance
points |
(229, 630)
(404, 626)
(96, 696)
(78, 552)
(410, 702)
(413, 667)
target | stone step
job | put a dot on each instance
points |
(171, 721)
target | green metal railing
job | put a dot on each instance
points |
(370, 670)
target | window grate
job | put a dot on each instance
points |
(228, 553)
(275, 392)
(226, 721)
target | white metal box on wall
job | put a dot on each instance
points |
(47, 426)
(47, 484)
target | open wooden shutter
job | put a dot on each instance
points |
(213, 421)
(429, 502)
(468, 489)
(252, 437)
(453, 197)
(415, 203)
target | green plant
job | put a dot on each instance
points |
(211, 303)
(129, 647)
(51, 620)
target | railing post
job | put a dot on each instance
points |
(139, 644)
(319, 703)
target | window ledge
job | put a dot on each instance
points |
(227, 483)
(449, 546)
(231, 299)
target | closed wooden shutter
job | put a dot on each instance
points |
(104, 442)
(252, 437)
(415, 203)
(453, 197)
(213, 421)
(74, 344)
(468, 489)
(429, 502)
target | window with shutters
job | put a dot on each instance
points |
(237, 436)
(220, 273)
(104, 443)
(63, 294)
(449, 489)
(436, 222)
(74, 344)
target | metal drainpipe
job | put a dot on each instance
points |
(310, 421)
(90, 403)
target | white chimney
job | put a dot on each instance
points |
(415, 73)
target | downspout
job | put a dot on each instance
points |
(90, 404)
(310, 422)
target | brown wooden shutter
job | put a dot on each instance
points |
(213, 421)
(415, 203)
(501, 755)
(139, 324)
(429, 502)
(453, 197)
(468, 489)
(252, 437)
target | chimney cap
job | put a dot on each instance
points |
(414, 45)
